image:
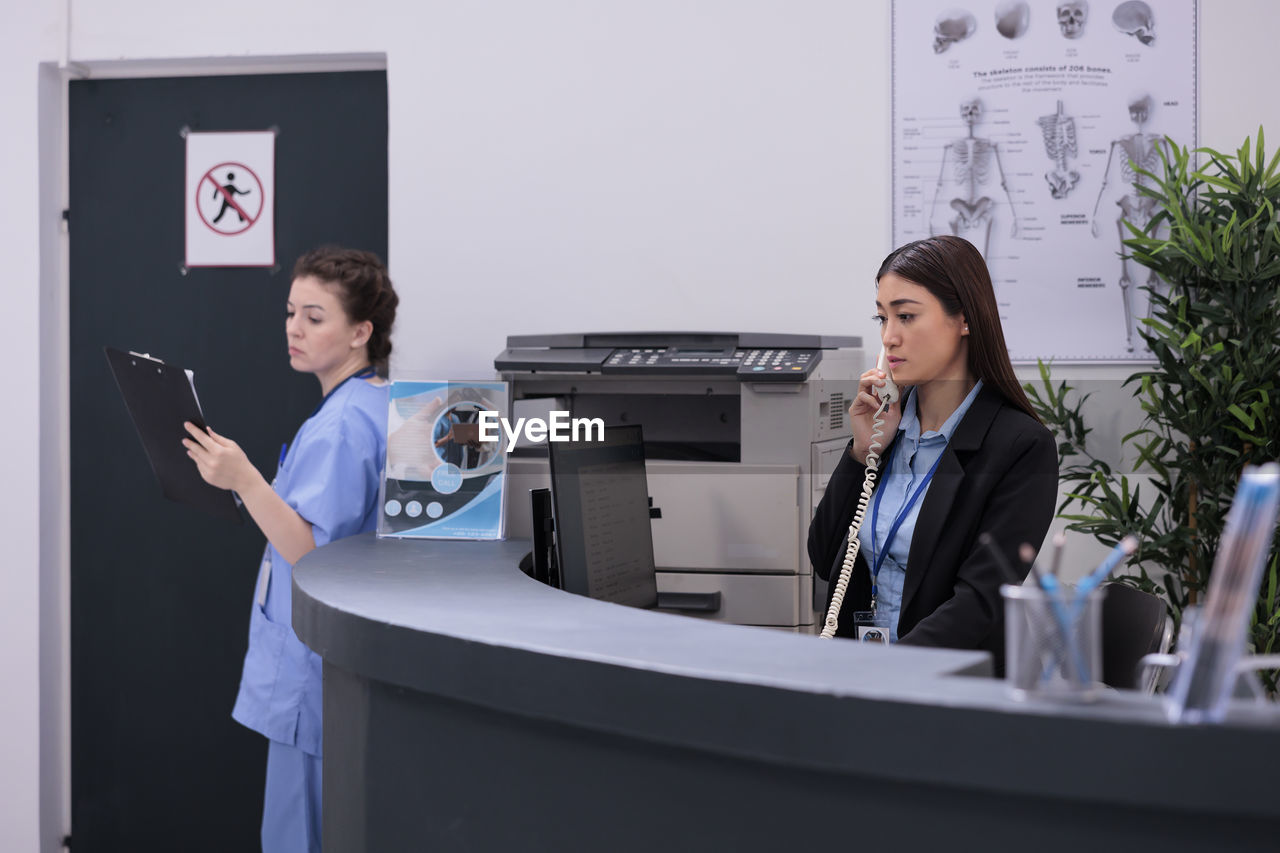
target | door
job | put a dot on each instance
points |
(160, 594)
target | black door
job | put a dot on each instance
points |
(160, 594)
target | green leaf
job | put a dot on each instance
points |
(1221, 183)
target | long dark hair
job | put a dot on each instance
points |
(953, 270)
(364, 289)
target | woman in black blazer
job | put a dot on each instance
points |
(997, 473)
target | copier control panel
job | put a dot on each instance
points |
(757, 364)
(747, 357)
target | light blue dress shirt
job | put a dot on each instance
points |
(913, 457)
(330, 476)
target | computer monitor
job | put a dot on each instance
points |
(600, 502)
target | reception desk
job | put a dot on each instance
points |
(468, 707)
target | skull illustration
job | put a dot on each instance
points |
(1072, 17)
(1012, 18)
(952, 26)
(971, 111)
(1133, 17)
(1140, 109)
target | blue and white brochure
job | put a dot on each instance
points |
(441, 481)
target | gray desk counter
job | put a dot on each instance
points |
(469, 708)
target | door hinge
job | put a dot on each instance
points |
(65, 224)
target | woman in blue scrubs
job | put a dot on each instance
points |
(339, 315)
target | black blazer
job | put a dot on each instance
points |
(998, 474)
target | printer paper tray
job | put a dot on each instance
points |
(724, 516)
(775, 601)
(716, 516)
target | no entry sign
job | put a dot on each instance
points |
(230, 199)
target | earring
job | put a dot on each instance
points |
(966, 330)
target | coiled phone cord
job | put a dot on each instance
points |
(851, 553)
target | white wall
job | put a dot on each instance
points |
(597, 166)
(1238, 70)
(635, 164)
(645, 166)
(31, 35)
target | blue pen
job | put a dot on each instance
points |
(284, 451)
(1057, 606)
(1126, 547)
(1091, 582)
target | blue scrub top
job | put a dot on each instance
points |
(914, 456)
(330, 476)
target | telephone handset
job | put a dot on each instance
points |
(888, 394)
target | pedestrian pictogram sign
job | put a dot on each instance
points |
(230, 199)
(218, 191)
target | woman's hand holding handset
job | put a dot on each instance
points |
(867, 405)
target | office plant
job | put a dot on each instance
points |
(1210, 401)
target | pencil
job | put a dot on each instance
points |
(1059, 545)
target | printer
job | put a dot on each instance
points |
(741, 433)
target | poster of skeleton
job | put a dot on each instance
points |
(1017, 124)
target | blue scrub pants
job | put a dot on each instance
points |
(291, 805)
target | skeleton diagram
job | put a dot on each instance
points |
(1059, 143)
(1138, 151)
(972, 159)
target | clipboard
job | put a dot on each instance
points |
(159, 398)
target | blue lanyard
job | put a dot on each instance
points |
(364, 373)
(897, 522)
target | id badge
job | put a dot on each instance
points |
(264, 578)
(872, 627)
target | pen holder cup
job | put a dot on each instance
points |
(1053, 643)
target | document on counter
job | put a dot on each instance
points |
(160, 398)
